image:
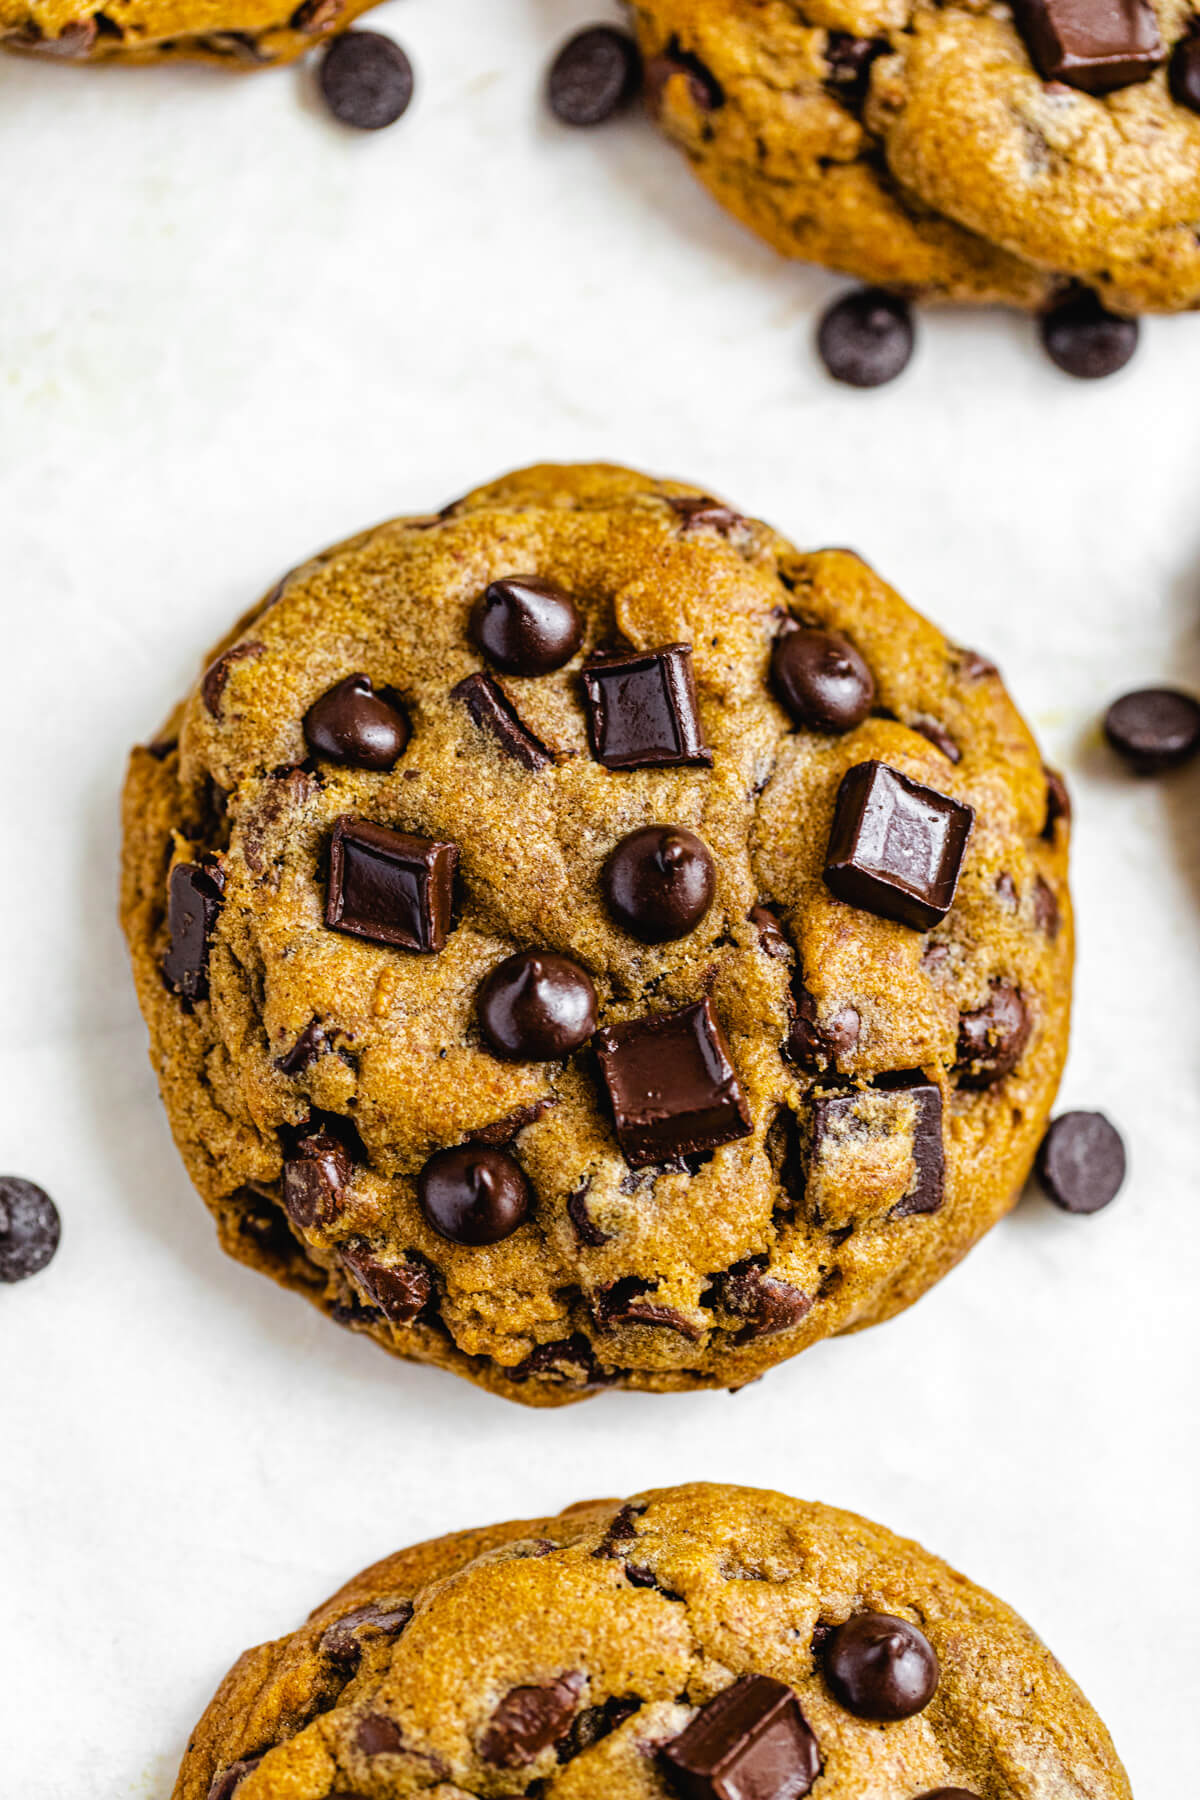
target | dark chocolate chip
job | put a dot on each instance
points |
(770, 934)
(595, 74)
(896, 847)
(1183, 72)
(314, 1180)
(867, 1116)
(536, 1007)
(623, 1303)
(29, 1228)
(699, 513)
(401, 1291)
(526, 626)
(226, 1784)
(821, 679)
(310, 1045)
(811, 1045)
(194, 893)
(494, 712)
(351, 723)
(594, 1723)
(766, 1304)
(586, 1230)
(704, 90)
(1085, 340)
(992, 1040)
(212, 688)
(849, 61)
(621, 1528)
(1154, 729)
(1081, 1162)
(751, 1743)
(866, 338)
(1046, 914)
(528, 1720)
(344, 1641)
(880, 1667)
(938, 736)
(1058, 804)
(473, 1194)
(673, 1088)
(1006, 891)
(1096, 45)
(379, 1736)
(504, 1130)
(567, 1360)
(642, 711)
(366, 79)
(659, 883)
(389, 887)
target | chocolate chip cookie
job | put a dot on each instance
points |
(587, 941)
(704, 1641)
(237, 34)
(959, 151)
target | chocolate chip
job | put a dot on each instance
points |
(389, 887)
(1090, 45)
(938, 736)
(595, 74)
(473, 1194)
(1046, 914)
(494, 712)
(811, 1045)
(1058, 804)
(212, 688)
(400, 1290)
(992, 1039)
(568, 1360)
(528, 1720)
(866, 338)
(751, 1743)
(1081, 1162)
(770, 934)
(673, 1089)
(29, 1228)
(821, 679)
(1085, 340)
(536, 1007)
(378, 1735)
(642, 710)
(659, 883)
(351, 723)
(766, 1304)
(194, 893)
(623, 1303)
(524, 625)
(586, 1230)
(1183, 72)
(226, 1784)
(366, 79)
(699, 513)
(1154, 728)
(310, 1045)
(849, 61)
(880, 1667)
(896, 847)
(504, 1130)
(848, 1128)
(344, 1641)
(703, 89)
(594, 1723)
(313, 1181)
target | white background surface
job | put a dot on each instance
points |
(231, 332)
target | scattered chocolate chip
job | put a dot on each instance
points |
(703, 89)
(344, 1641)
(194, 892)
(699, 513)
(938, 736)
(622, 1303)
(494, 712)
(1090, 46)
(503, 1131)
(1046, 914)
(400, 1290)
(866, 338)
(659, 883)
(1154, 729)
(821, 678)
(351, 723)
(849, 62)
(586, 1230)
(527, 626)
(536, 1007)
(642, 711)
(992, 1040)
(909, 1108)
(212, 688)
(770, 934)
(379, 1736)
(366, 79)
(751, 1743)
(1183, 72)
(29, 1228)
(1085, 340)
(162, 748)
(673, 1089)
(896, 847)
(880, 1667)
(1081, 1162)
(389, 887)
(595, 74)
(934, 955)
(1058, 805)
(75, 40)
(766, 1304)
(473, 1194)
(226, 1784)
(528, 1720)
(593, 1723)
(811, 1045)
(310, 1045)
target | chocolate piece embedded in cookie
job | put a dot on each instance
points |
(1154, 729)
(390, 886)
(896, 847)
(821, 679)
(494, 712)
(1097, 45)
(751, 1742)
(351, 723)
(659, 883)
(474, 1194)
(1081, 1162)
(194, 893)
(881, 1667)
(866, 338)
(526, 626)
(673, 1089)
(642, 710)
(595, 74)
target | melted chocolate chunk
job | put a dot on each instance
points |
(314, 1180)
(700, 513)
(1183, 71)
(880, 1667)
(938, 736)
(212, 688)
(1096, 45)
(400, 1290)
(226, 1784)
(1058, 804)
(659, 883)
(885, 1141)
(595, 74)
(704, 90)
(344, 1641)
(1046, 914)
(389, 887)
(536, 1007)
(770, 933)
(621, 1303)
(751, 1743)
(528, 1720)
(194, 893)
(586, 1230)
(494, 713)
(29, 1228)
(1154, 729)
(896, 847)
(353, 724)
(526, 626)
(568, 1360)
(767, 1304)
(473, 1194)
(642, 711)
(992, 1039)
(673, 1089)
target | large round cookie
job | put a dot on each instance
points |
(237, 34)
(690, 1158)
(962, 151)
(707, 1641)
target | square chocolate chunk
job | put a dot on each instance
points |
(1096, 45)
(389, 887)
(876, 1153)
(673, 1089)
(751, 1743)
(642, 711)
(896, 847)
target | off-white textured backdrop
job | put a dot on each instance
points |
(231, 332)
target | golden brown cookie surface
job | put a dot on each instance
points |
(236, 34)
(580, 1655)
(566, 1073)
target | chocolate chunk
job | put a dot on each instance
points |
(849, 61)
(673, 1089)
(699, 513)
(821, 679)
(938, 736)
(659, 883)
(1183, 72)
(568, 1360)
(366, 79)
(1046, 914)
(594, 1723)
(621, 1528)
(622, 1303)
(1058, 804)
(212, 688)
(1086, 341)
(389, 887)
(344, 1641)
(494, 712)
(194, 893)
(75, 39)
(315, 16)
(703, 89)
(585, 1227)
(971, 666)
(473, 1194)
(866, 338)
(379, 1736)
(642, 711)
(770, 933)
(351, 723)
(536, 1007)
(1154, 728)
(314, 1179)
(595, 74)
(880, 1667)
(881, 1144)
(1096, 45)
(992, 1039)
(527, 626)
(528, 1720)
(29, 1228)
(1081, 1162)
(811, 1045)
(767, 1304)
(310, 1045)
(503, 1131)
(400, 1290)
(896, 847)
(751, 1743)
(226, 1784)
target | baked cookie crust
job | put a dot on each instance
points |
(234, 34)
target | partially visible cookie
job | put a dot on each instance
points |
(237, 34)
(705, 1641)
